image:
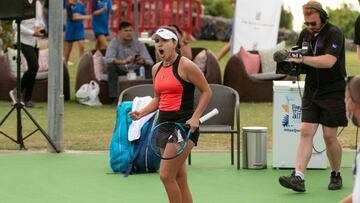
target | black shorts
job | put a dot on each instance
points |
(164, 133)
(327, 112)
(180, 117)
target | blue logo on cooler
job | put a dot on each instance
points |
(291, 116)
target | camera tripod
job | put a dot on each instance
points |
(19, 106)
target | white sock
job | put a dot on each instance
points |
(300, 174)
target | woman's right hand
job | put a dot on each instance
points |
(135, 115)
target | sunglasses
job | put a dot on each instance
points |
(310, 23)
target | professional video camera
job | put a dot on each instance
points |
(283, 66)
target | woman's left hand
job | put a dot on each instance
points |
(193, 123)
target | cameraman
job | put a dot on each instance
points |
(323, 99)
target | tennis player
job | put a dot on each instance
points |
(175, 78)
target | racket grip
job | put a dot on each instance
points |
(207, 116)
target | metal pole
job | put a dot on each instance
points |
(136, 18)
(18, 88)
(55, 77)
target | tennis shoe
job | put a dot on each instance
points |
(292, 182)
(335, 181)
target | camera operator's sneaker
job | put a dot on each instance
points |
(335, 181)
(292, 182)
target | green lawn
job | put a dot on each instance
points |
(90, 128)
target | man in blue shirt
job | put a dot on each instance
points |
(125, 54)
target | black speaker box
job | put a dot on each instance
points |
(17, 9)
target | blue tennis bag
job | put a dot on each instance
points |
(135, 156)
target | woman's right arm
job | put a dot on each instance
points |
(151, 107)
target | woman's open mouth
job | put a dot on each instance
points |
(161, 51)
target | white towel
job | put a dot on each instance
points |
(135, 127)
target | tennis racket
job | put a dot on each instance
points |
(173, 137)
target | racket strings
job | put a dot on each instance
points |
(170, 137)
(175, 137)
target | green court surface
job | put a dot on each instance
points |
(87, 178)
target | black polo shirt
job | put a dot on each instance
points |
(325, 83)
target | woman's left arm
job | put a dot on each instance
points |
(196, 77)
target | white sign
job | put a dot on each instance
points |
(256, 24)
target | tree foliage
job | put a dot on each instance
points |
(218, 8)
(7, 34)
(286, 18)
(344, 17)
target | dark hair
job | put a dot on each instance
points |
(124, 24)
(178, 30)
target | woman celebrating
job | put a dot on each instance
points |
(175, 78)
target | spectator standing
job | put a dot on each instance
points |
(74, 31)
(30, 31)
(100, 21)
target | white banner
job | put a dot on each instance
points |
(256, 24)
